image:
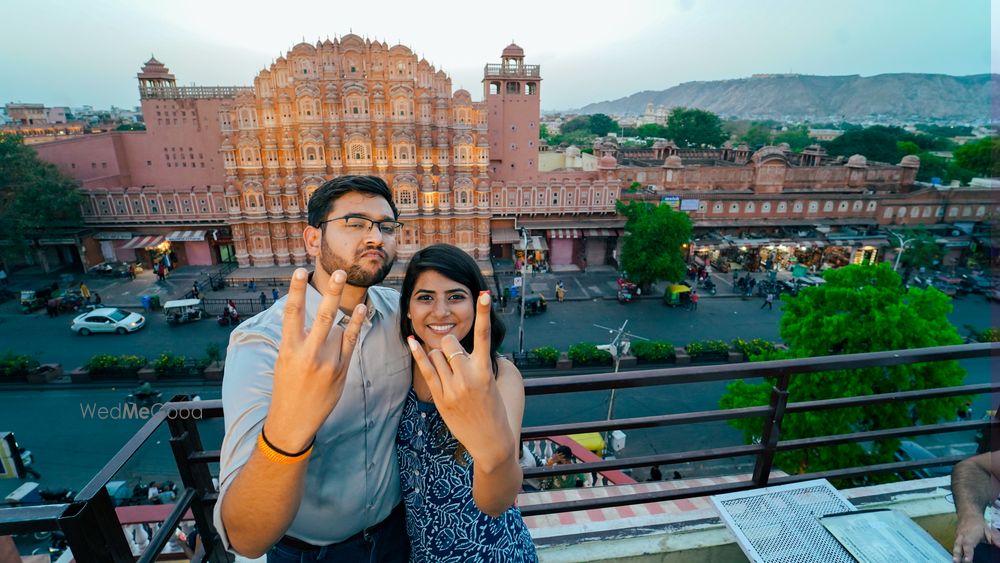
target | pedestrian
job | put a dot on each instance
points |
(263, 299)
(655, 474)
(158, 268)
(693, 305)
(52, 308)
(131, 272)
(964, 410)
(736, 277)
(194, 291)
(274, 294)
(252, 285)
(85, 292)
(560, 291)
(768, 301)
(97, 299)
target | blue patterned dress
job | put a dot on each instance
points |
(442, 520)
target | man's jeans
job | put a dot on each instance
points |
(387, 544)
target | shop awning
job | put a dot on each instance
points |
(563, 233)
(534, 243)
(504, 236)
(144, 241)
(602, 232)
(186, 236)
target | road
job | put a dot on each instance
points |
(70, 446)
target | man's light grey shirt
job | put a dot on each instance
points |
(352, 481)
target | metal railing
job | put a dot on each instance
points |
(95, 534)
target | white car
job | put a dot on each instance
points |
(108, 319)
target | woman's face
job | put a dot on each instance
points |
(440, 306)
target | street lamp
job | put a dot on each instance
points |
(524, 284)
(902, 246)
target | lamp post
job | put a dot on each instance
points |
(524, 284)
(902, 246)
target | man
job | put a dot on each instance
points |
(975, 484)
(693, 304)
(85, 292)
(308, 462)
(768, 301)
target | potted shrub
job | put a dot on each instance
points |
(111, 366)
(587, 354)
(750, 348)
(708, 351)
(653, 351)
(546, 356)
(20, 368)
(214, 366)
(168, 364)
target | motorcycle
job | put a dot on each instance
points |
(709, 286)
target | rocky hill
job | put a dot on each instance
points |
(795, 97)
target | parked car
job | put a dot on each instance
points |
(976, 284)
(107, 319)
(912, 451)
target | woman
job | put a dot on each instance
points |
(457, 444)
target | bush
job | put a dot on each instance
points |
(989, 335)
(14, 365)
(653, 350)
(754, 347)
(587, 354)
(168, 363)
(109, 363)
(707, 347)
(547, 355)
(213, 352)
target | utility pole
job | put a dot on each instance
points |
(902, 246)
(524, 286)
(619, 345)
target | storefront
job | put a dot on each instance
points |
(563, 244)
(190, 248)
(600, 245)
(534, 256)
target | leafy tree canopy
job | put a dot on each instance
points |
(652, 249)
(689, 127)
(858, 309)
(982, 157)
(34, 196)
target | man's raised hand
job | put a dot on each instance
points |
(312, 363)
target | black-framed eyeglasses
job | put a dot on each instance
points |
(361, 224)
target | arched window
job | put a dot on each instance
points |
(358, 151)
(494, 88)
(513, 87)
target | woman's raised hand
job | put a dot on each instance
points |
(464, 390)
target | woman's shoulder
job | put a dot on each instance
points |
(506, 369)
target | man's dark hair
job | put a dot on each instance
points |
(325, 196)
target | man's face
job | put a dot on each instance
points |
(365, 254)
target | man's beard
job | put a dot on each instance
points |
(356, 274)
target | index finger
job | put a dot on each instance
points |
(328, 308)
(481, 340)
(295, 304)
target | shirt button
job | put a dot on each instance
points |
(420, 432)
(416, 472)
(368, 383)
(371, 424)
(423, 415)
(371, 466)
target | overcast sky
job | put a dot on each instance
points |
(76, 52)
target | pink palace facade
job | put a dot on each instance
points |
(224, 174)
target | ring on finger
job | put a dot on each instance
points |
(459, 353)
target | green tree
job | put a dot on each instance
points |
(757, 136)
(858, 309)
(924, 251)
(600, 124)
(131, 127)
(876, 143)
(797, 137)
(690, 127)
(578, 123)
(543, 132)
(647, 130)
(982, 157)
(652, 248)
(34, 197)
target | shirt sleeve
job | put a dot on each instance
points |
(246, 396)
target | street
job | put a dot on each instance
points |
(70, 446)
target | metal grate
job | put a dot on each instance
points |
(781, 524)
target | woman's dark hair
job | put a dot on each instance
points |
(324, 197)
(456, 265)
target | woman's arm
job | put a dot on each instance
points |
(495, 490)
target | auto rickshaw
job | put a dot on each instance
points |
(34, 299)
(676, 295)
(183, 311)
(533, 304)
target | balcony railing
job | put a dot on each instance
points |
(191, 92)
(523, 71)
(95, 534)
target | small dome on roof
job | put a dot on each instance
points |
(673, 161)
(573, 151)
(857, 161)
(607, 162)
(910, 161)
(513, 50)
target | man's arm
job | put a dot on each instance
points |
(974, 485)
(309, 376)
